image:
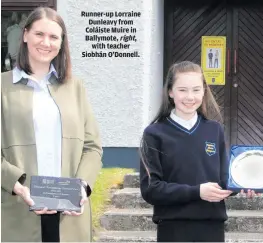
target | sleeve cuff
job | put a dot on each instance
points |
(195, 192)
(87, 188)
(9, 176)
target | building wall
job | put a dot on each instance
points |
(125, 92)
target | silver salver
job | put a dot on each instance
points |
(247, 169)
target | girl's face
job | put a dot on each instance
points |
(43, 41)
(187, 93)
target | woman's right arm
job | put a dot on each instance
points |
(13, 179)
(10, 175)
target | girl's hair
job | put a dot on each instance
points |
(61, 62)
(209, 108)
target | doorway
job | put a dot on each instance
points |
(241, 98)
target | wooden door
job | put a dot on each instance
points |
(185, 26)
(241, 99)
(247, 87)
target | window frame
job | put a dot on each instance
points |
(27, 4)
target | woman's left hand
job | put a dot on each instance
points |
(82, 202)
(249, 193)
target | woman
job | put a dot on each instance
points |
(47, 129)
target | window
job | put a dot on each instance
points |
(13, 16)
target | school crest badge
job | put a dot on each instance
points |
(210, 148)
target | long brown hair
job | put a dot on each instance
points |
(208, 109)
(61, 62)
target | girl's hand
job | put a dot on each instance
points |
(212, 192)
(82, 202)
(24, 193)
(249, 193)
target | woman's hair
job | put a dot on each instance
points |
(61, 62)
(209, 108)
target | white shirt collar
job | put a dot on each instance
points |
(18, 74)
(188, 124)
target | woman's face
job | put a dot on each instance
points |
(43, 41)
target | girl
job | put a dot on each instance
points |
(184, 168)
(48, 129)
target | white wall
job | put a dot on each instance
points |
(125, 92)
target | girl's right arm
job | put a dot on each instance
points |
(154, 189)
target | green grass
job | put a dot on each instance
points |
(100, 198)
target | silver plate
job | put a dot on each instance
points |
(247, 169)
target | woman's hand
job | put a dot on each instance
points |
(24, 193)
(82, 202)
(249, 193)
(212, 192)
(45, 211)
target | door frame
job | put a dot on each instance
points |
(233, 87)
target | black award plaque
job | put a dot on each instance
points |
(55, 193)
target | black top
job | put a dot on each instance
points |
(179, 160)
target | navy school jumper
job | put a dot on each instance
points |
(179, 160)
